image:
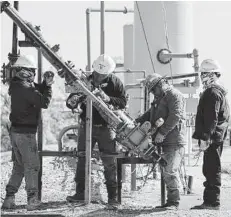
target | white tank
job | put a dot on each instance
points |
(159, 18)
(136, 95)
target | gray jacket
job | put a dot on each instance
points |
(172, 108)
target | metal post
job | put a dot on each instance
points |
(102, 32)
(87, 192)
(189, 141)
(14, 54)
(15, 33)
(40, 129)
(133, 177)
(88, 11)
(119, 179)
(88, 40)
(162, 184)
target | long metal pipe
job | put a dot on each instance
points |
(40, 128)
(177, 55)
(88, 68)
(102, 31)
(88, 12)
(15, 33)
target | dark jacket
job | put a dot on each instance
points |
(172, 108)
(114, 88)
(26, 101)
(212, 118)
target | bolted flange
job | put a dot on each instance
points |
(162, 58)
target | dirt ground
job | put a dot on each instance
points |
(58, 183)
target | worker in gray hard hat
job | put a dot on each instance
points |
(110, 90)
(27, 98)
(168, 104)
(212, 121)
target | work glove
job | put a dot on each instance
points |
(48, 77)
(159, 138)
(73, 101)
(100, 93)
(61, 72)
(204, 145)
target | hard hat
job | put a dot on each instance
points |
(209, 65)
(152, 80)
(25, 61)
(104, 64)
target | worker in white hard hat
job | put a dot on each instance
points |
(212, 121)
(168, 104)
(27, 98)
(111, 90)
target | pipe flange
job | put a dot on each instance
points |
(163, 59)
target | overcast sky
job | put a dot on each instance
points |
(64, 23)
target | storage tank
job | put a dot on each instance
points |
(159, 25)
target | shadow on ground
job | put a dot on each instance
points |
(120, 212)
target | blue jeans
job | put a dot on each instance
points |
(25, 163)
(173, 155)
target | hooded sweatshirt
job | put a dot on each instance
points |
(27, 98)
(212, 118)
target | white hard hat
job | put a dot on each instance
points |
(210, 65)
(152, 80)
(25, 61)
(104, 64)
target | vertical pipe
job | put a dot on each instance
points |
(102, 14)
(14, 54)
(123, 173)
(133, 177)
(119, 178)
(189, 143)
(162, 184)
(87, 192)
(40, 129)
(88, 40)
(15, 33)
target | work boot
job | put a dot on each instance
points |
(33, 203)
(112, 197)
(207, 206)
(9, 202)
(76, 198)
(169, 206)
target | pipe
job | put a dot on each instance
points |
(88, 68)
(176, 55)
(125, 10)
(102, 31)
(182, 76)
(88, 11)
(15, 33)
(40, 129)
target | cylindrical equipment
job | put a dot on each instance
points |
(159, 25)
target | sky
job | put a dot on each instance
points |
(64, 23)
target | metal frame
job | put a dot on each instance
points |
(88, 32)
